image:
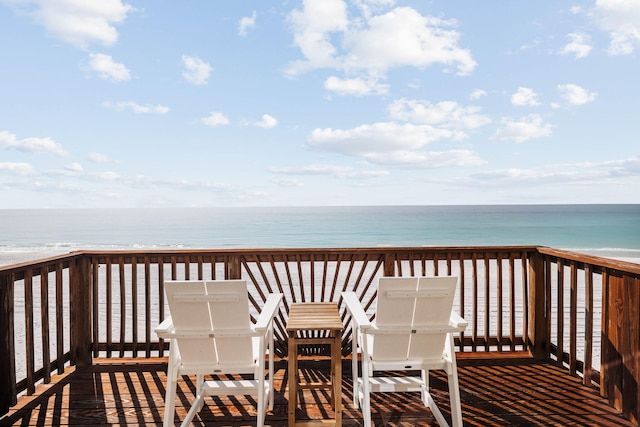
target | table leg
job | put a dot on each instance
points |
(337, 378)
(293, 379)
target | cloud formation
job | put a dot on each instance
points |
(214, 119)
(246, 23)
(78, 22)
(576, 95)
(31, 145)
(107, 68)
(16, 168)
(196, 71)
(525, 97)
(523, 129)
(579, 45)
(136, 108)
(329, 37)
(621, 20)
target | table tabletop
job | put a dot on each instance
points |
(314, 316)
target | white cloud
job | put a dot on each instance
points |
(98, 158)
(448, 114)
(74, 167)
(621, 19)
(390, 143)
(136, 108)
(579, 45)
(196, 71)
(418, 41)
(79, 22)
(357, 86)
(288, 182)
(327, 38)
(267, 122)
(246, 23)
(312, 28)
(528, 127)
(31, 145)
(477, 94)
(525, 97)
(344, 172)
(576, 95)
(16, 168)
(107, 68)
(214, 119)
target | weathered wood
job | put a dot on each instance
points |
(537, 304)
(80, 311)
(7, 349)
(358, 269)
(29, 338)
(510, 391)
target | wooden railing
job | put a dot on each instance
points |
(69, 309)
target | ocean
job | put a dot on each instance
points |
(605, 230)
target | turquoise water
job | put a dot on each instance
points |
(600, 229)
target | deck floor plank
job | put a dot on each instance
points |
(511, 391)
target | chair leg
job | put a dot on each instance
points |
(172, 384)
(193, 411)
(454, 388)
(170, 402)
(365, 404)
(354, 371)
(199, 387)
(454, 396)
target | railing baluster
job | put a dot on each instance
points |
(512, 302)
(147, 302)
(487, 300)
(109, 307)
(560, 314)
(573, 319)
(525, 298)
(499, 302)
(588, 324)
(474, 320)
(123, 306)
(29, 339)
(134, 304)
(60, 324)
(462, 287)
(44, 316)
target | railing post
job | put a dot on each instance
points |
(234, 271)
(537, 307)
(8, 397)
(389, 265)
(80, 311)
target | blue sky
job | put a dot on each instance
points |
(127, 103)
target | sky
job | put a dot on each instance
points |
(147, 103)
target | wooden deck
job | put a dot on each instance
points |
(510, 391)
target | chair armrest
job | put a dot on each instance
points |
(269, 311)
(457, 321)
(165, 329)
(355, 308)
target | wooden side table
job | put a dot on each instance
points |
(315, 316)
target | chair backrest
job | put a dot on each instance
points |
(211, 320)
(413, 305)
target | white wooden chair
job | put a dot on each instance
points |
(210, 332)
(413, 330)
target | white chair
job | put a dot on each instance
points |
(413, 330)
(210, 332)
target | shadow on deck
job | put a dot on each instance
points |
(512, 391)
